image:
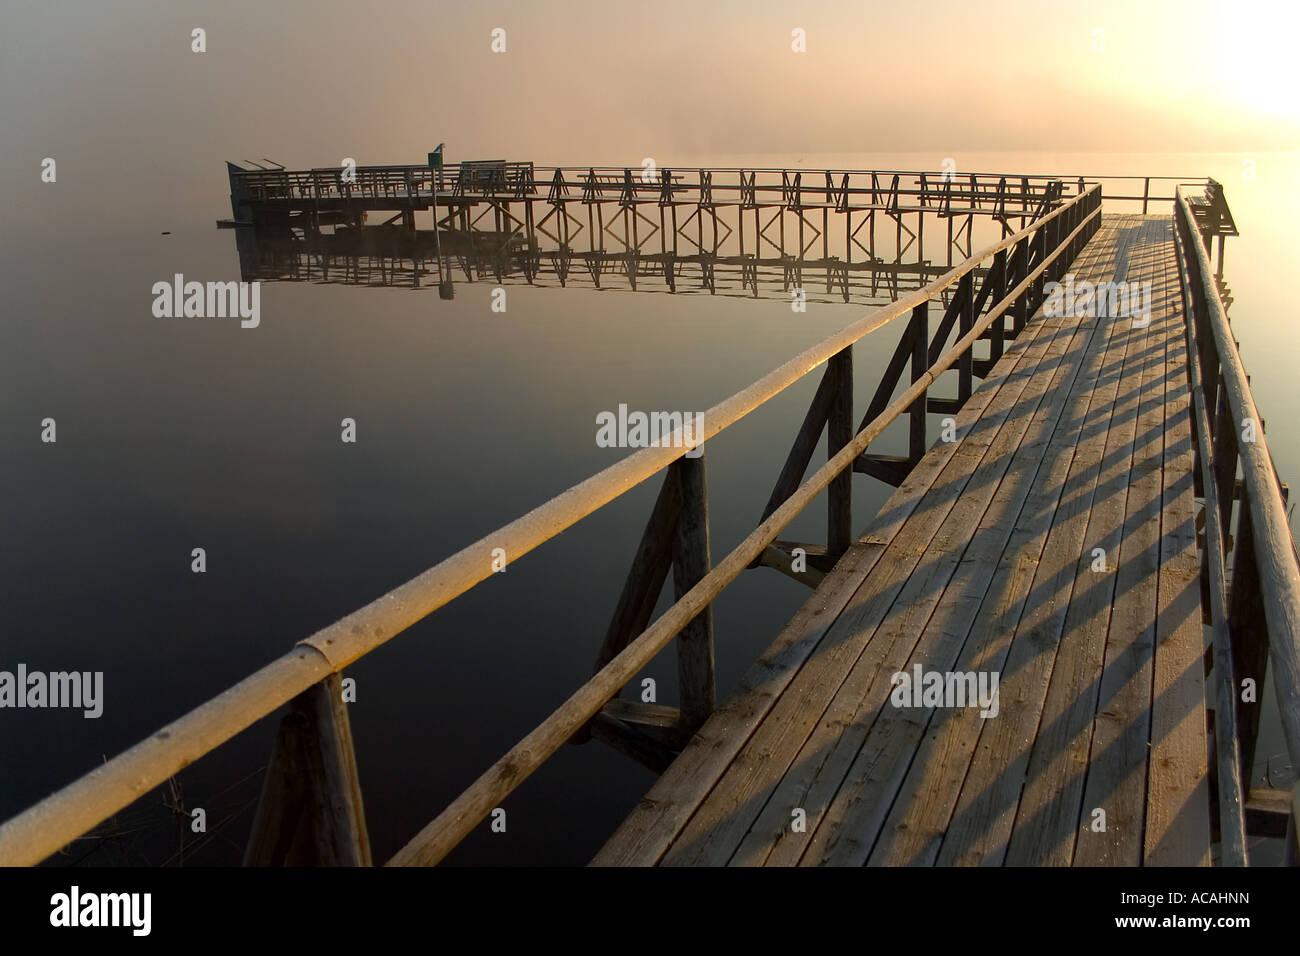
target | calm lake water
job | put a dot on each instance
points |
(182, 433)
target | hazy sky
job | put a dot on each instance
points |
(308, 82)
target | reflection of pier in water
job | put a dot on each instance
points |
(851, 236)
(385, 256)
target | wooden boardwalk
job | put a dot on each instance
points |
(986, 560)
(1044, 552)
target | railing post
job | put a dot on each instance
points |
(839, 432)
(998, 331)
(310, 811)
(917, 410)
(690, 564)
(965, 322)
(1224, 439)
(1021, 317)
(1249, 635)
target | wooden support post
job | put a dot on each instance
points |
(965, 323)
(1036, 287)
(917, 410)
(1022, 301)
(839, 432)
(649, 570)
(690, 564)
(311, 811)
(280, 835)
(805, 443)
(1249, 637)
(998, 283)
(1224, 439)
(628, 740)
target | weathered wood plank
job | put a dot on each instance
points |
(981, 829)
(854, 821)
(1178, 790)
(875, 755)
(647, 832)
(881, 754)
(1121, 734)
(982, 560)
(715, 832)
(922, 812)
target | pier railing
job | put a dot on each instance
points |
(745, 186)
(748, 186)
(314, 740)
(1252, 577)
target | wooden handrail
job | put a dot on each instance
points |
(1274, 550)
(1227, 734)
(55, 821)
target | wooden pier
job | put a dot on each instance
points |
(982, 561)
(1097, 534)
(862, 236)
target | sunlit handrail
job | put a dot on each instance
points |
(1274, 549)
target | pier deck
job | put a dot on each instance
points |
(985, 560)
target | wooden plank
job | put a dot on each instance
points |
(923, 813)
(714, 833)
(783, 561)
(855, 783)
(986, 807)
(1178, 790)
(1268, 811)
(657, 721)
(1047, 821)
(881, 754)
(632, 742)
(920, 814)
(1126, 690)
(1121, 732)
(645, 835)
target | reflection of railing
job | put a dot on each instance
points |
(1254, 606)
(315, 740)
(393, 256)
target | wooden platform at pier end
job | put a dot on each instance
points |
(983, 561)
